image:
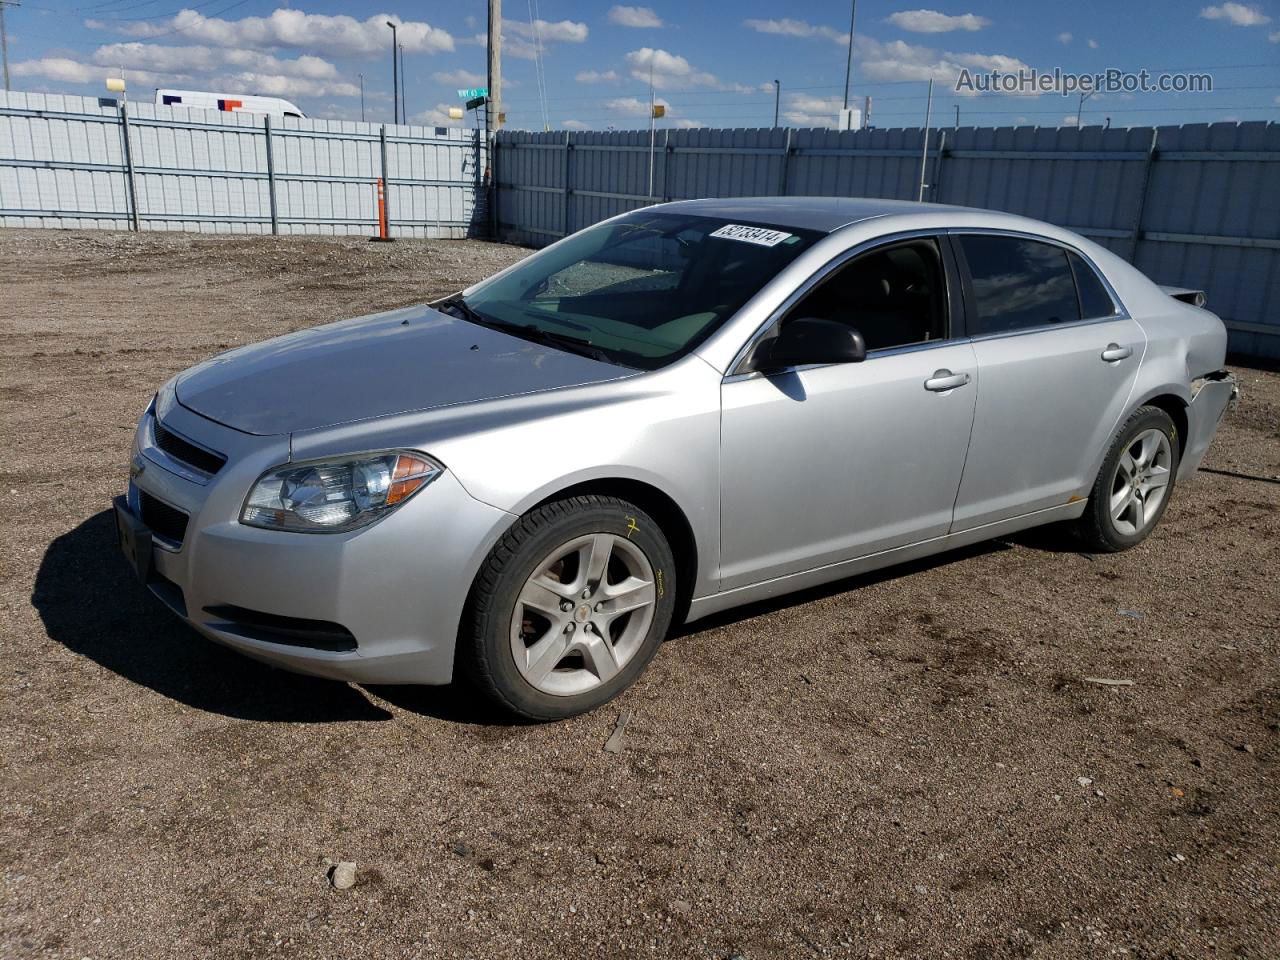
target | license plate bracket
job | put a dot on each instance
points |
(134, 537)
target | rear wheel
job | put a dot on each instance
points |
(568, 608)
(1134, 485)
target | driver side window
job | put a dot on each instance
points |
(894, 295)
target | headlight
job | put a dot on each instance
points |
(333, 496)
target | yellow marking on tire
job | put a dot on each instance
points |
(631, 526)
(661, 590)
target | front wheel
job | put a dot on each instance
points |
(568, 608)
(1133, 487)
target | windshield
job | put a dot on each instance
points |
(641, 291)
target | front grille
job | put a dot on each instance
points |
(182, 449)
(164, 521)
(290, 631)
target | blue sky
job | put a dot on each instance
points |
(713, 63)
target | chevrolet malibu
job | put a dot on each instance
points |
(680, 410)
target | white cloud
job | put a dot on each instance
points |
(1275, 37)
(807, 111)
(788, 27)
(279, 85)
(634, 106)
(518, 36)
(685, 123)
(1069, 120)
(668, 69)
(1237, 14)
(573, 125)
(462, 78)
(156, 58)
(1093, 44)
(625, 16)
(318, 33)
(1064, 37)
(931, 21)
(437, 116)
(889, 62)
(898, 60)
(595, 76)
(562, 31)
(65, 70)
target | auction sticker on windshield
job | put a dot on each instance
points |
(759, 235)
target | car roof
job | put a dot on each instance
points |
(808, 213)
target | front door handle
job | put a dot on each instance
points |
(1115, 353)
(944, 380)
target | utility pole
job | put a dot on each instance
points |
(493, 110)
(924, 153)
(957, 116)
(777, 99)
(4, 40)
(361, 76)
(404, 111)
(1080, 108)
(848, 66)
(395, 76)
(652, 121)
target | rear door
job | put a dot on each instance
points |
(1057, 359)
(821, 464)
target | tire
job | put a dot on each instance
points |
(1101, 530)
(553, 662)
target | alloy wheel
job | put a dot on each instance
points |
(583, 614)
(1141, 482)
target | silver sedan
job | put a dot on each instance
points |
(680, 410)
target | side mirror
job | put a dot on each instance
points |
(807, 340)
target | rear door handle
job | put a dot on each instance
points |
(944, 380)
(1115, 353)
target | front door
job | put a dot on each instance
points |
(827, 463)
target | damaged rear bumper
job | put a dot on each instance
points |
(1211, 395)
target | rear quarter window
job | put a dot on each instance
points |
(1095, 301)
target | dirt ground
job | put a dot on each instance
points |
(908, 764)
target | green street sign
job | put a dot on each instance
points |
(472, 93)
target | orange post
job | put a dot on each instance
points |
(382, 211)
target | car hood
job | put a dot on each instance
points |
(397, 362)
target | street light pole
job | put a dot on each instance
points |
(395, 77)
(777, 99)
(4, 39)
(848, 66)
(404, 111)
(361, 76)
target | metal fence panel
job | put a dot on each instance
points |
(1195, 206)
(63, 163)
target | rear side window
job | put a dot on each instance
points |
(1018, 284)
(1095, 302)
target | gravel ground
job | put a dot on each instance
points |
(902, 765)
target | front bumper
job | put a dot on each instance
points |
(398, 586)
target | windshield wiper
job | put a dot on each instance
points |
(526, 331)
(457, 303)
(561, 340)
